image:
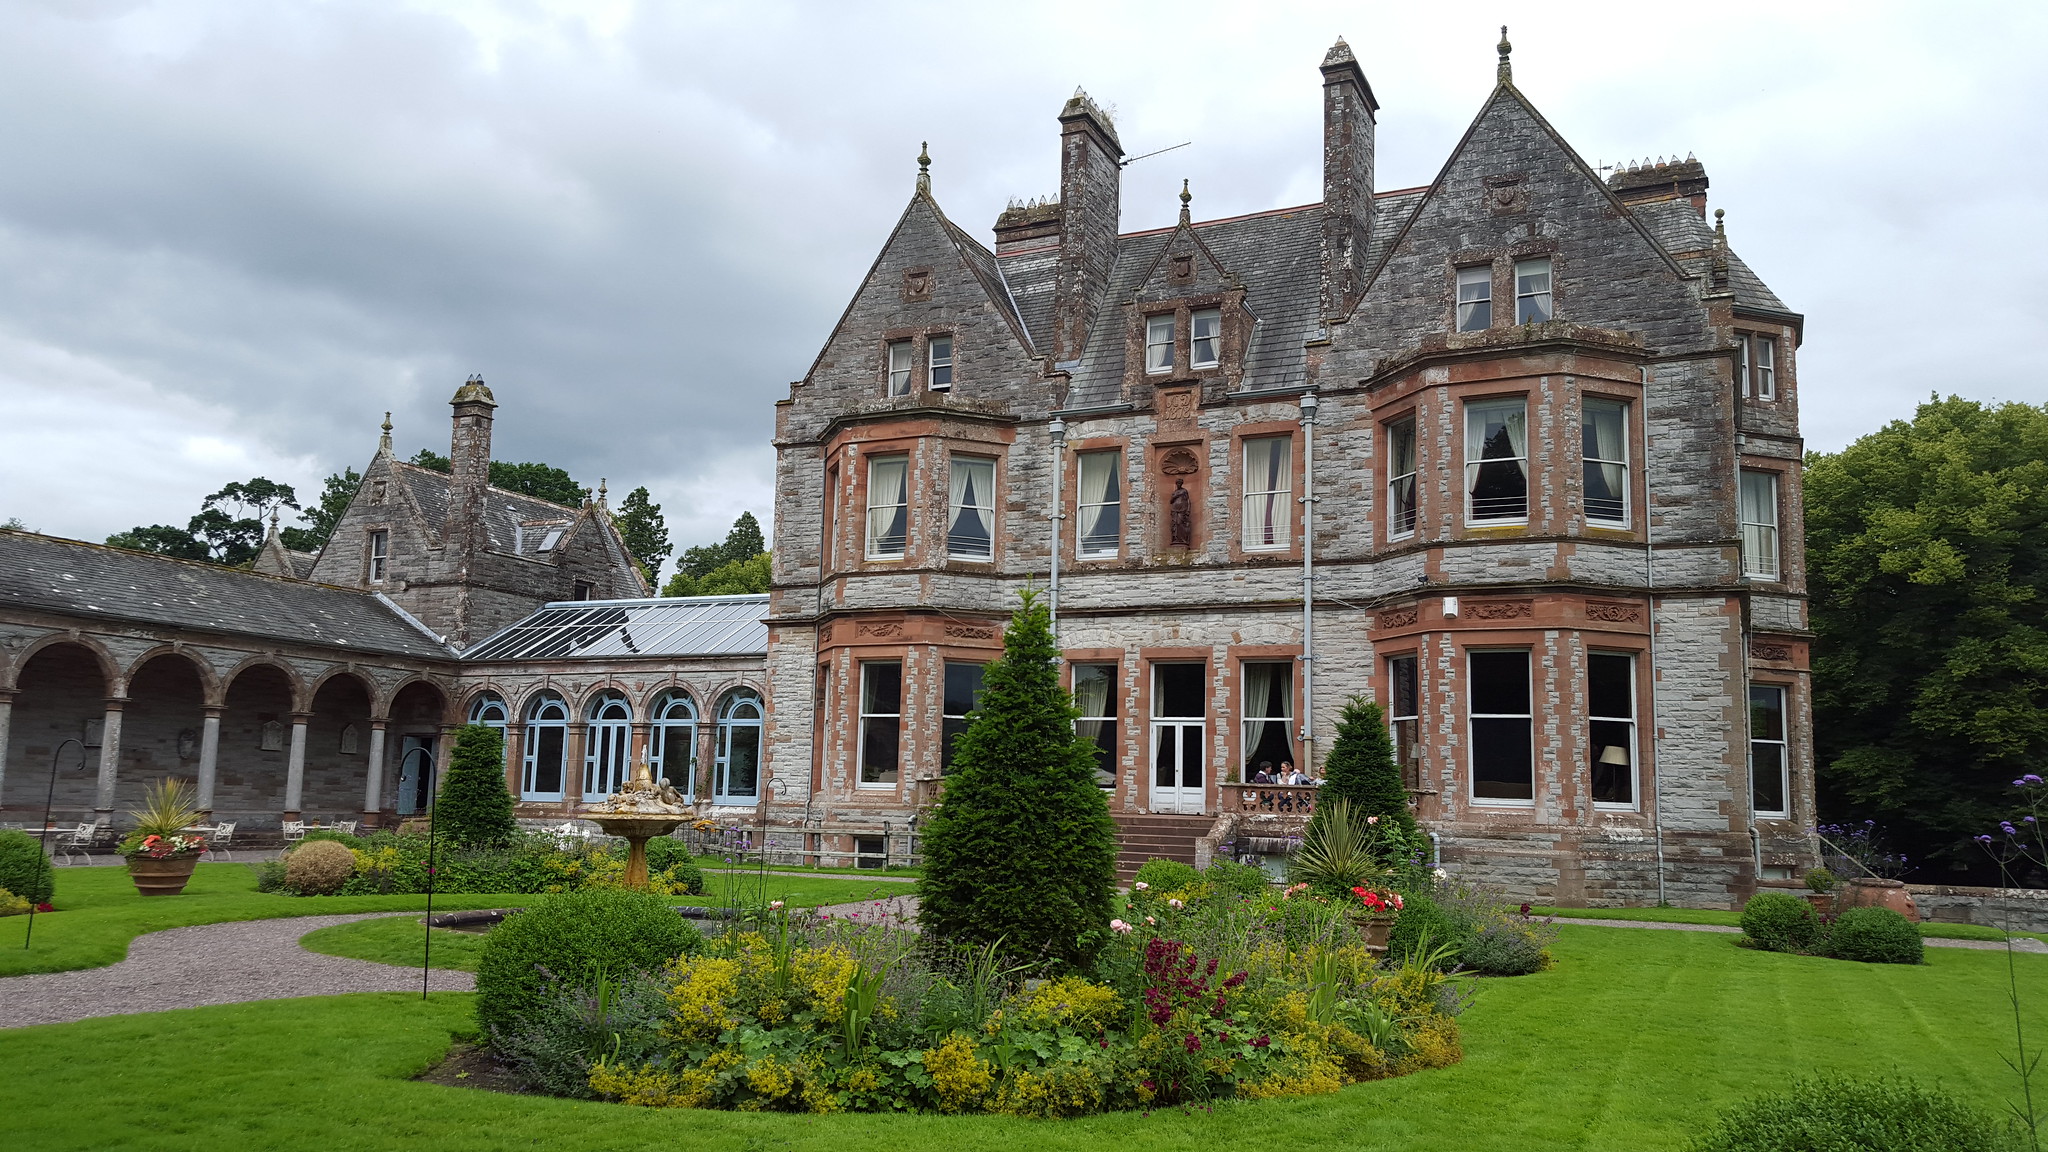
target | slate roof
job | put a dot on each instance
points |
(983, 264)
(518, 523)
(670, 626)
(1677, 226)
(1276, 255)
(80, 579)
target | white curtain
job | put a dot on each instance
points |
(1267, 483)
(1091, 699)
(1759, 524)
(1517, 427)
(1100, 525)
(971, 494)
(1603, 437)
(887, 495)
(1258, 695)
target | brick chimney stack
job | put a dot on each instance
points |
(1348, 108)
(1091, 182)
(469, 457)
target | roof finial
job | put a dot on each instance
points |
(384, 441)
(924, 168)
(1186, 197)
(1506, 71)
(273, 521)
(1721, 225)
(600, 491)
(1718, 268)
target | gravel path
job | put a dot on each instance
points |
(2022, 944)
(209, 964)
(898, 910)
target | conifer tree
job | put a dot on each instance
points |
(1021, 849)
(474, 806)
(1361, 768)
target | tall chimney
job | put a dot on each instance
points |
(469, 457)
(1348, 108)
(1091, 182)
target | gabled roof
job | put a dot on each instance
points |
(517, 523)
(671, 626)
(1678, 228)
(79, 579)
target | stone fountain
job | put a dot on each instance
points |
(640, 811)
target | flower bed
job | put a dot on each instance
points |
(388, 863)
(1199, 994)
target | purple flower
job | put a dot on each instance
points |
(2031, 778)
(1983, 839)
(2027, 819)
(2007, 828)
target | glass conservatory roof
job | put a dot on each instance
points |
(672, 626)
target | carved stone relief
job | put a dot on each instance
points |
(1503, 609)
(1612, 613)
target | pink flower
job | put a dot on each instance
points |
(1150, 920)
(1119, 926)
(1140, 886)
(775, 905)
(1372, 819)
(1175, 904)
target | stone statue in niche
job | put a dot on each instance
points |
(1180, 516)
(188, 744)
(272, 737)
(348, 740)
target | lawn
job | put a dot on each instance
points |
(99, 912)
(1928, 929)
(1631, 1043)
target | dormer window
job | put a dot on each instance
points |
(1205, 346)
(1475, 299)
(899, 367)
(1159, 343)
(585, 590)
(1532, 291)
(380, 555)
(941, 377)
(553, 537)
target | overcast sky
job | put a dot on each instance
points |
(232, 235)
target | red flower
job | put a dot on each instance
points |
(1193, 1043)
(46, 906)
(1261, 1042)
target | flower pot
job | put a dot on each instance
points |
(1375, 930)
(1869, 893)
(1823, 902)
(162, 875)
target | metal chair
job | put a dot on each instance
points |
(218, 840)
(79, 842)
(345, 827)
(294, 831)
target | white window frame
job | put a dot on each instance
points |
(731, 721)
(674, 720)
(1246, 745)
(607, 746)
(1634, 746)
(547, 711)
(1109, 507)
(1527, 717)
(1396, 530)
(900, 503)
(1761, 558)
(952, 724)
(1475, 287)
(898, 359)
(1411, 764)
(1159, 337)
(1212, 319)
(1765, 365)
(862, 767)
(1590, 461)
(1526, 295)
(939, 363)
(1782, 742)
(984, 484)
(1108, 717)
(1473, 461)
(380, 555)
(1742, 340)
(1268, 495)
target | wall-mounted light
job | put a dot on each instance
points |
(1450, 607)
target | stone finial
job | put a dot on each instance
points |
(1505, 71)
(924, 168)
(1186, 198)
(1721, 226)
(601, 491)
(273, 521)
(474, 391)
(1340, 53)
(1719, 270)
(384, 441)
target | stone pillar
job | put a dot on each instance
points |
(295, 767)
(6, 718)
(515, 757)
(636, 748)
(373, 783)
(572, 772)
(209, 758)
(110, 761)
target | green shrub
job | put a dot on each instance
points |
(24, 870)
(673, 857)
(341, 838)
(1361, 769)
(1821, 880)
(1243, 879)
(1421, 917)
(318, 868)
(1778, 922)
(1162, 875)
(1508, 947)
(12, 905)
(270, 876)
(573, 937)
(1874, 936)
(1020, 848)
(474, 807)
(1841, 1114)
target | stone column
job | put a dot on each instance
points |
(110, 761)
(295, 767)
(572, 772)
(209, 758)
(373, 783)
(6, 718)
(636, 747)
(515, 757)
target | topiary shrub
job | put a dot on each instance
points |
(1778, 922)
(1842, 1114)
(673, 857)
(571, 938)
(24, 870)
(1021, 848)
(1361, 769)
(474, 808)
(1163, 876)
(1874, 936)
(1243, 879)
(319, 868)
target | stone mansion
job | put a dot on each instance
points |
(1515, 453)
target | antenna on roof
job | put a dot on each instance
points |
(1127, 162)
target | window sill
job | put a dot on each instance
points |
(970, 559)
(540, 797)
(1613, 806)
(884, 559)
(866, 786)
(1479, 802)
(736, 801)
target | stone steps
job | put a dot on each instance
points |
(1147, 837)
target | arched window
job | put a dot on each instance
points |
(672, 743)
(608, 746)
(489, 710)
(736, 778)
(547, 746)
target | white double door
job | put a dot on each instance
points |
(1179, 750)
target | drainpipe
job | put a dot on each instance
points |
(1058, 429)
(1308, 581)
(1650, 593)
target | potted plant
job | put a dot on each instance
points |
(1821, 885)
(161, 853)
(1376, 921)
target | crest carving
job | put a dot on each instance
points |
(879, 629)
(917, 284)
(1507, 195)
(1759, 650)
(1178, 404)
(961, 630)
(1182, 267)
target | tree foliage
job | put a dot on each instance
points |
(739, 565)
(1927, 561)
(228, 528)
(541, 481)
(1361, 768)
(644, 531)
(1021, 849)
(335, 494)
(474, 807)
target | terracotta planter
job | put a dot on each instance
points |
(1892, 894)
(162, 875)
(1823, 902)
(1375, 930)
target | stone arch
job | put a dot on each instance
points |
(110, 669)
(414, 734)
(258, 704)
(163, 723)
(61, 684)
(651, 700)
(209, 677)
(337, 761)
(602, 690)
(300, 696)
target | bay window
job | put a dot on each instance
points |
(1404, 718)
(1503, 760)
(888, 506)
(1100, 503)
(1611, 727)
(1768, 762)
(881, 723)
(1401, 485)
(1604, 442)
(1759, 512)
(971, 508)
(962, 695)
(1496, 460)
